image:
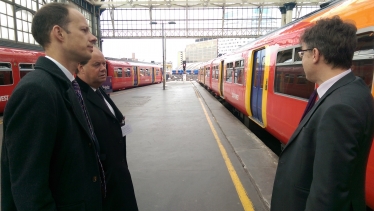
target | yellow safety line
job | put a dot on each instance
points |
(246, 202)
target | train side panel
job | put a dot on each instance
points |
(14, 64)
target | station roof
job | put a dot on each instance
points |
(196, 3)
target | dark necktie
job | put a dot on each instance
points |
(311, 102)
(83, 106)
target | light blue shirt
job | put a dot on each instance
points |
(322, 89)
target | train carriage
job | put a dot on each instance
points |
(128, 74)
(274, 90)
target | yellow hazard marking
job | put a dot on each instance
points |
(246, 202)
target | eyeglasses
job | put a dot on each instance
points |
(301, 52)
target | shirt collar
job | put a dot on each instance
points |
(322, 89)
(64, 70)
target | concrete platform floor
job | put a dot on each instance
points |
(180, 161)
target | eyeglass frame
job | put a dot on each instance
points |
(301, 52)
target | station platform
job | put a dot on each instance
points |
(188, 152)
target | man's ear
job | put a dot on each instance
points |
(80, 69)
(58, 33)
(316, 55)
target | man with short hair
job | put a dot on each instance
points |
(323, 165)
(107, 121)
(49, 155)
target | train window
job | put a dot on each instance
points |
(363, 58)
(157, 71)
(128, 73)
(237, 64)
(142, 72)
(365, 44)
(284, 56)
(297, 58)
(229, 74)
(365, 70)
(6, 74)
(118, 72)
(25, 68)
(239, 75)
(287, 83)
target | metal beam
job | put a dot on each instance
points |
(199, 3)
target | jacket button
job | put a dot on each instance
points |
(89, 145)
(94, 178)
(123, 160)
(120, 141)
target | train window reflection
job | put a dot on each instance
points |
(365, 70)
(25, 68)
(6, 74)
(287, 83)
(284, 56)
(128, 73)
(118, 72)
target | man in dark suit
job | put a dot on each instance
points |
(107, 121)
(48, 159)
(323, 165)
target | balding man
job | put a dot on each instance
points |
(107, 121)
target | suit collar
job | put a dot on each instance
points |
(51, 68)
(94, 98)
(341, 82)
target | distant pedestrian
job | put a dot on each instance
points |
(323, 165)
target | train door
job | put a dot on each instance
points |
(135, 68)
(257, 84)
(221, 67)
(153, 74)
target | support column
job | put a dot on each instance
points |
(289, 7)
(283, 17)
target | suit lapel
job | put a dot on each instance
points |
(118, 114)
(94, 98)
(341, 82)
(77, 109)
(99, 102)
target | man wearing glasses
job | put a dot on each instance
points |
(323, 164)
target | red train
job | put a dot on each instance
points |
(265, 81)
(15, 63)
(127, 74)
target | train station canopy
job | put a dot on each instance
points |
(197, 18)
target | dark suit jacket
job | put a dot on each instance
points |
(120, 191)
(323, 164)
(47, 161)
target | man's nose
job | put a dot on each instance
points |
(93, 39)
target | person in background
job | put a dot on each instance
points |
(323, 165)
(107, 121)
(48, 159)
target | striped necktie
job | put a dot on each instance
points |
(311, 102)
(93, 136)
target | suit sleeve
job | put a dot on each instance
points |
(337, 146)
(30, 128)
